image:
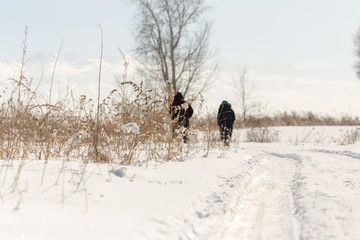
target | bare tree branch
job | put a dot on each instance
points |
(172, 42)
(246, 93)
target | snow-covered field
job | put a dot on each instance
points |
(304, 186)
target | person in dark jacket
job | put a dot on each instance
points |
(225, 119)
(180, 111)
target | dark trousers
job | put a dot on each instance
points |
(225, 133)
(178, 127)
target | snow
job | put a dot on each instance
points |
(131, 127)
(282, 190)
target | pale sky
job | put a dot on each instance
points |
(309, 33)
(299, 53)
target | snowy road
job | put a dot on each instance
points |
(266, 208)
(299, 194)
(264, 191)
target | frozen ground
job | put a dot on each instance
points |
(276, 191)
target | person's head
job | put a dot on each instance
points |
(225, 104)
(178, 96)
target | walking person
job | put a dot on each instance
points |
(225, 119)
(180, 111)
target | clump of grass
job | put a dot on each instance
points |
(211, 134)
(262, 135)
(350, 136)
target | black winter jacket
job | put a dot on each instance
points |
(226, 116)
(181, 110)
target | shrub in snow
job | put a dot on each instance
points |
(263, 135)
(350, 136)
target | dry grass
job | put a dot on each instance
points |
(300, 119)
(129, 126)
(68, 128)
(349, 137)
(262, 135)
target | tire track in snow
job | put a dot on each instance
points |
(266, 210)
(326, 193)
(340, 153)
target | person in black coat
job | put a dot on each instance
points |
(180, 111)
(225, 119)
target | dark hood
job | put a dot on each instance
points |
(178, 96)
(226, 106)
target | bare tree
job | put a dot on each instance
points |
(246, 92)
(357, 52)
(172, 43)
